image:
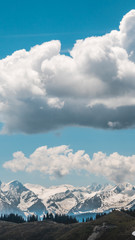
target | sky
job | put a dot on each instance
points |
(67, 105)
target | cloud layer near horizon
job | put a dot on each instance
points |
(42, 90)
(60, 161)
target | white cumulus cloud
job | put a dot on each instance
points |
(42, 90)
(61, 160)
(55, 161)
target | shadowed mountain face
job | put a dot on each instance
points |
(114, 226)
(64, 199)
(88, 205)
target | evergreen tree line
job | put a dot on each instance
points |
(12, 218)
(98, 215)
(60, 218)
(88, 219)
(33, 218)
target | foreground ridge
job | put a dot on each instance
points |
(115, 226)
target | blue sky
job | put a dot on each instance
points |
(27, 23)
(24, 24)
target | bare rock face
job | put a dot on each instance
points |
(99, 230)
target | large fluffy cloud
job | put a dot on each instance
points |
(41, 89)
(56, 161)
(60, 161)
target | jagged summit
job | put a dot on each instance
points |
(97, 187)
(14, 186)
(15, 183)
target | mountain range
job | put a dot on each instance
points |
(64, 199)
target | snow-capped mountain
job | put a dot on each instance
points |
(16, 198)
(65, 199)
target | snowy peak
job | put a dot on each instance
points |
(123, 187)
(96, 187)
(18, 186)
(64, 199)
(15, 183)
